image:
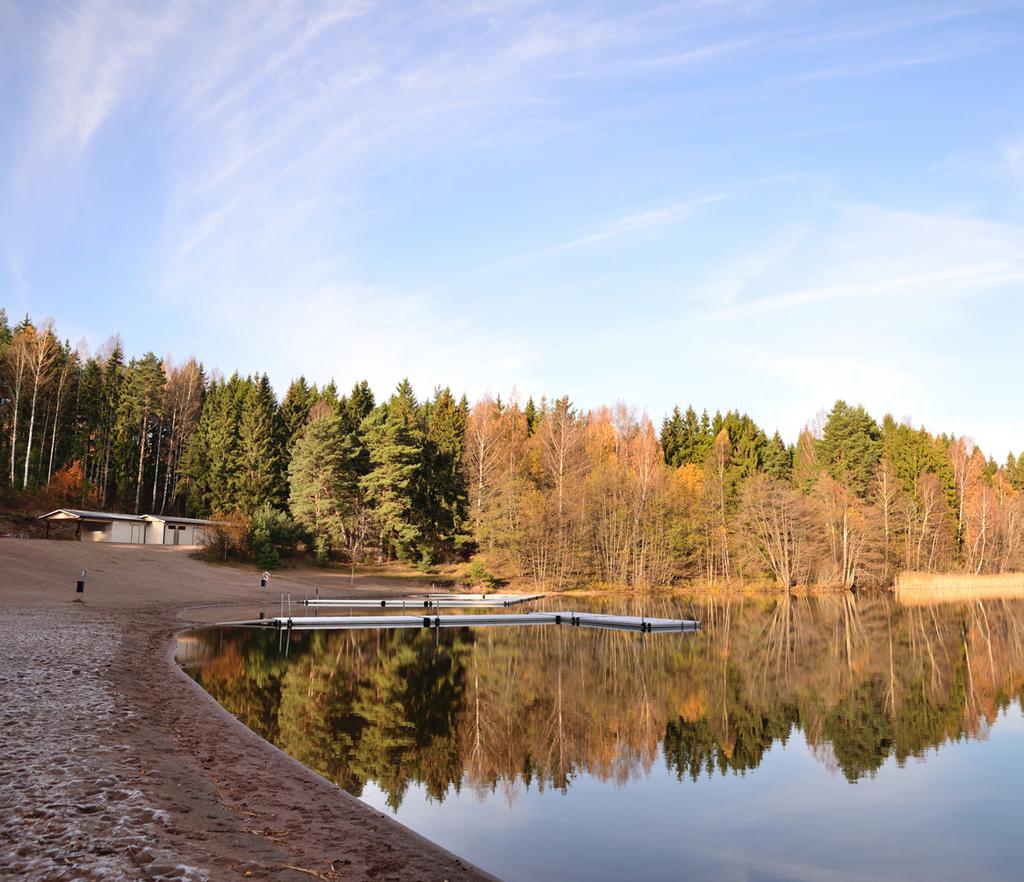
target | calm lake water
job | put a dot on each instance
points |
(816, 739)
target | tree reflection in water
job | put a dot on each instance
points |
(500, 709)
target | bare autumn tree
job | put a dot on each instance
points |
(715, 503)
(844, 520)
(17, 367)
(560, 440)
(483, 452)
(69, 364)
(1010, 514)
(559, 443)
(499, 525)
(610, 520)
(966, 471)
(886, 493)
(772, 521)
(979, 530)
(646, 474)
(43, 352)
(926, 524)
(183, 398)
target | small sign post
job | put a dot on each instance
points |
(80, 585)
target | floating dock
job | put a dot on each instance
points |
(580, 619)
(430, 601)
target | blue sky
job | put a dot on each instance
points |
(750, 204)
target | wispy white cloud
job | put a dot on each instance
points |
(885, 25)
(1010, 161)
(874, 253)
(632, 223)
(637, 222)
(700, 53)
(93, 55)
(731, 281)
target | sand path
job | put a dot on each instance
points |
(115, 765)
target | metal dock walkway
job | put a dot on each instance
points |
(580, 619)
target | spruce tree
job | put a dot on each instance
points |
(445, 507)
(671, 437)
(778, 458)
(353, 410)
(355, 407)
(393, 487)
(748, 444)
(88, 408)
(212, 458)
(1015, 471)
(316, 483)
(113, 380)
(257, 480)
(532, 416)
(293, 412)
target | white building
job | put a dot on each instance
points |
(167, 530)
(102, 526)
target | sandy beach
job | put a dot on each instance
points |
(117, 766)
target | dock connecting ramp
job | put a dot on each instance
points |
(430, 601)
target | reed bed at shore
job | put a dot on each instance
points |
(924, 588)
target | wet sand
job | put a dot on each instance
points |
(116, 765)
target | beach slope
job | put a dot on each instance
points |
(117, 766)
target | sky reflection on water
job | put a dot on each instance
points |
(795, 738)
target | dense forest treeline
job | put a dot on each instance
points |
(539, 491)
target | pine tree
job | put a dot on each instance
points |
(851, 446)
(139, 409)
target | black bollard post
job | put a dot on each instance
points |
(80, 585)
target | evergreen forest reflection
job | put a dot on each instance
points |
(501, 709)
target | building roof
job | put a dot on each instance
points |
(78, 514)
(171, 519)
